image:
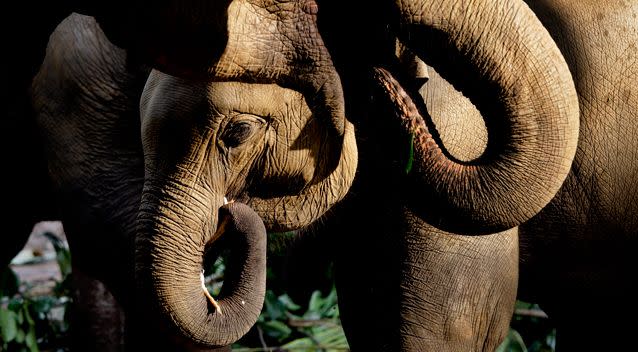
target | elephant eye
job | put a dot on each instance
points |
(240, 130)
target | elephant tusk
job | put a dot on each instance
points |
(218, 309)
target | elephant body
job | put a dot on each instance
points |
(456, 293)
(582, 243)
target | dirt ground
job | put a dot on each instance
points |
(36, 265)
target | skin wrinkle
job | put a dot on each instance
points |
(190, 172)
(591, 219)
(479, 184)
(570, 234)
(172, 283)
(277, 18)
(317, 77)
(418, 304)
(499, 318)
(92, 106)
(433, 169)
(460, 125)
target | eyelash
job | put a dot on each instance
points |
(239, 131)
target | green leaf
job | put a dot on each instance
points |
(287, 302)
(523, 305)
(31, 340)
(332, 312)
(304, 344)
(550, 339)
(321, 308)
(513, 343)
(330, 336)
(20, 336)
(20, 317)
(8, 325)
(42, 305)
(15, 304)
(408, 166)
(63, 255)
(276, 329)
(329, 302)
(315, 302)
(519, 340)
(27, 314)
(273, 307)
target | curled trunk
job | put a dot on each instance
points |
(170, 269)
(295, 211)
(501, 57)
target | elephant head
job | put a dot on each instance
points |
(261, 41)
(205, 141)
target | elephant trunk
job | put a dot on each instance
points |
(500, 56)
(169, 257)
(290, 212)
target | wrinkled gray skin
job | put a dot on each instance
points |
(456, 293)
(158, 195)
(200, 141)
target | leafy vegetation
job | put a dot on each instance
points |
(530, 331)
(291, 327)
(284, 325)
(31, 322)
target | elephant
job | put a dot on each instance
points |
(133, 150)
(150, 116)
(418, 286)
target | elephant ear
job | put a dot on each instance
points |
(500, 56)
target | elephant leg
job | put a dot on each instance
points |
(425, 290)
(97, 319)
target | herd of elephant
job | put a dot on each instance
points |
(456, 154)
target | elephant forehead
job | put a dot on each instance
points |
(267, 100)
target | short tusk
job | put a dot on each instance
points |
(218, 309)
